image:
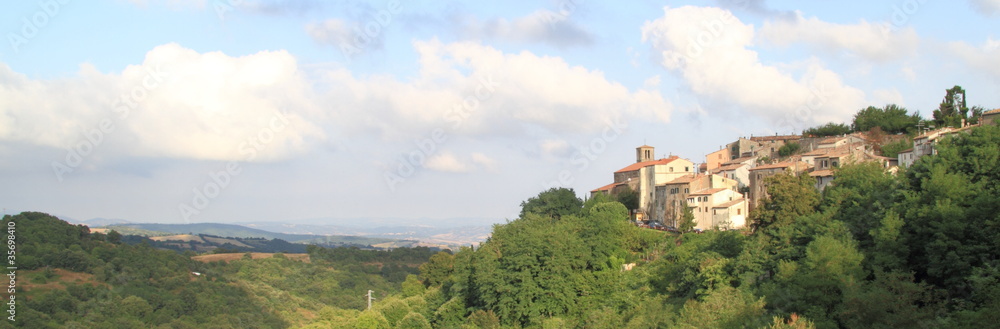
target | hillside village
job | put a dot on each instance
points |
(722, 190)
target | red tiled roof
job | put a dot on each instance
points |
(821, 173)
(818, 152)
(738, 160)
(774, 166)
(731, 167)
(638, 165)
(729, 204)
(709, 191)
(605, 187)
(774, 138)
(683, 179)
(831, 140)
(994, 111)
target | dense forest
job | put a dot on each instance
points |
(912, 249)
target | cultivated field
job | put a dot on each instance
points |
(255, 255)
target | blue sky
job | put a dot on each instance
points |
(180, 111)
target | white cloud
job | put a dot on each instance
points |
(984, 59)
(177, 103)
(484, 161)
(217, 107)
(474, 90)
(710, 49)
(332, 31)
(986, 7)
(345, 36)
(446, 162)
(870, 41)
(554, 147)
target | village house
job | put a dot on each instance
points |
(740, 172)
(758, 189)
(645, 174)
(924, 144)
(672, 196)
(762, 146)
(716, 159)
(720, 208)
(990, 117)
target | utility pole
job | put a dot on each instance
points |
(370, 299)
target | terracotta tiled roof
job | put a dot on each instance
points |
(729, 204)
(636, 166)
(831, 140)
(821, 173)
(818, 152)
(684, 179)
(709, 191)
(738, 160)
(605, 187)
(774, 166)
(774, 138)
(731, 167)
(906, 151)
(995, 111)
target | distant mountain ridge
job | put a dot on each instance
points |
(239, 231)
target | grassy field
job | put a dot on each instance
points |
(228, 257)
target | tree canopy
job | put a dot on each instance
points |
(554, 202)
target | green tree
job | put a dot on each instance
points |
(892, 119)
(950, 208)
(788, 197)
(952, 109)
(789, 149)
(437, 269)
(413, 321)
(829, 129)
(371, 320)
(629, 198)
(554, 203)
(726, 307)
(893, 149)
(686, 223)
(114, 237)
(860, 196)
(412, 286)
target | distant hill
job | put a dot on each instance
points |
(238, 231)
(95, 222)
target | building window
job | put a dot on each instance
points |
(738, 211)
(687, 190)
(686, 169)
(671, 169)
